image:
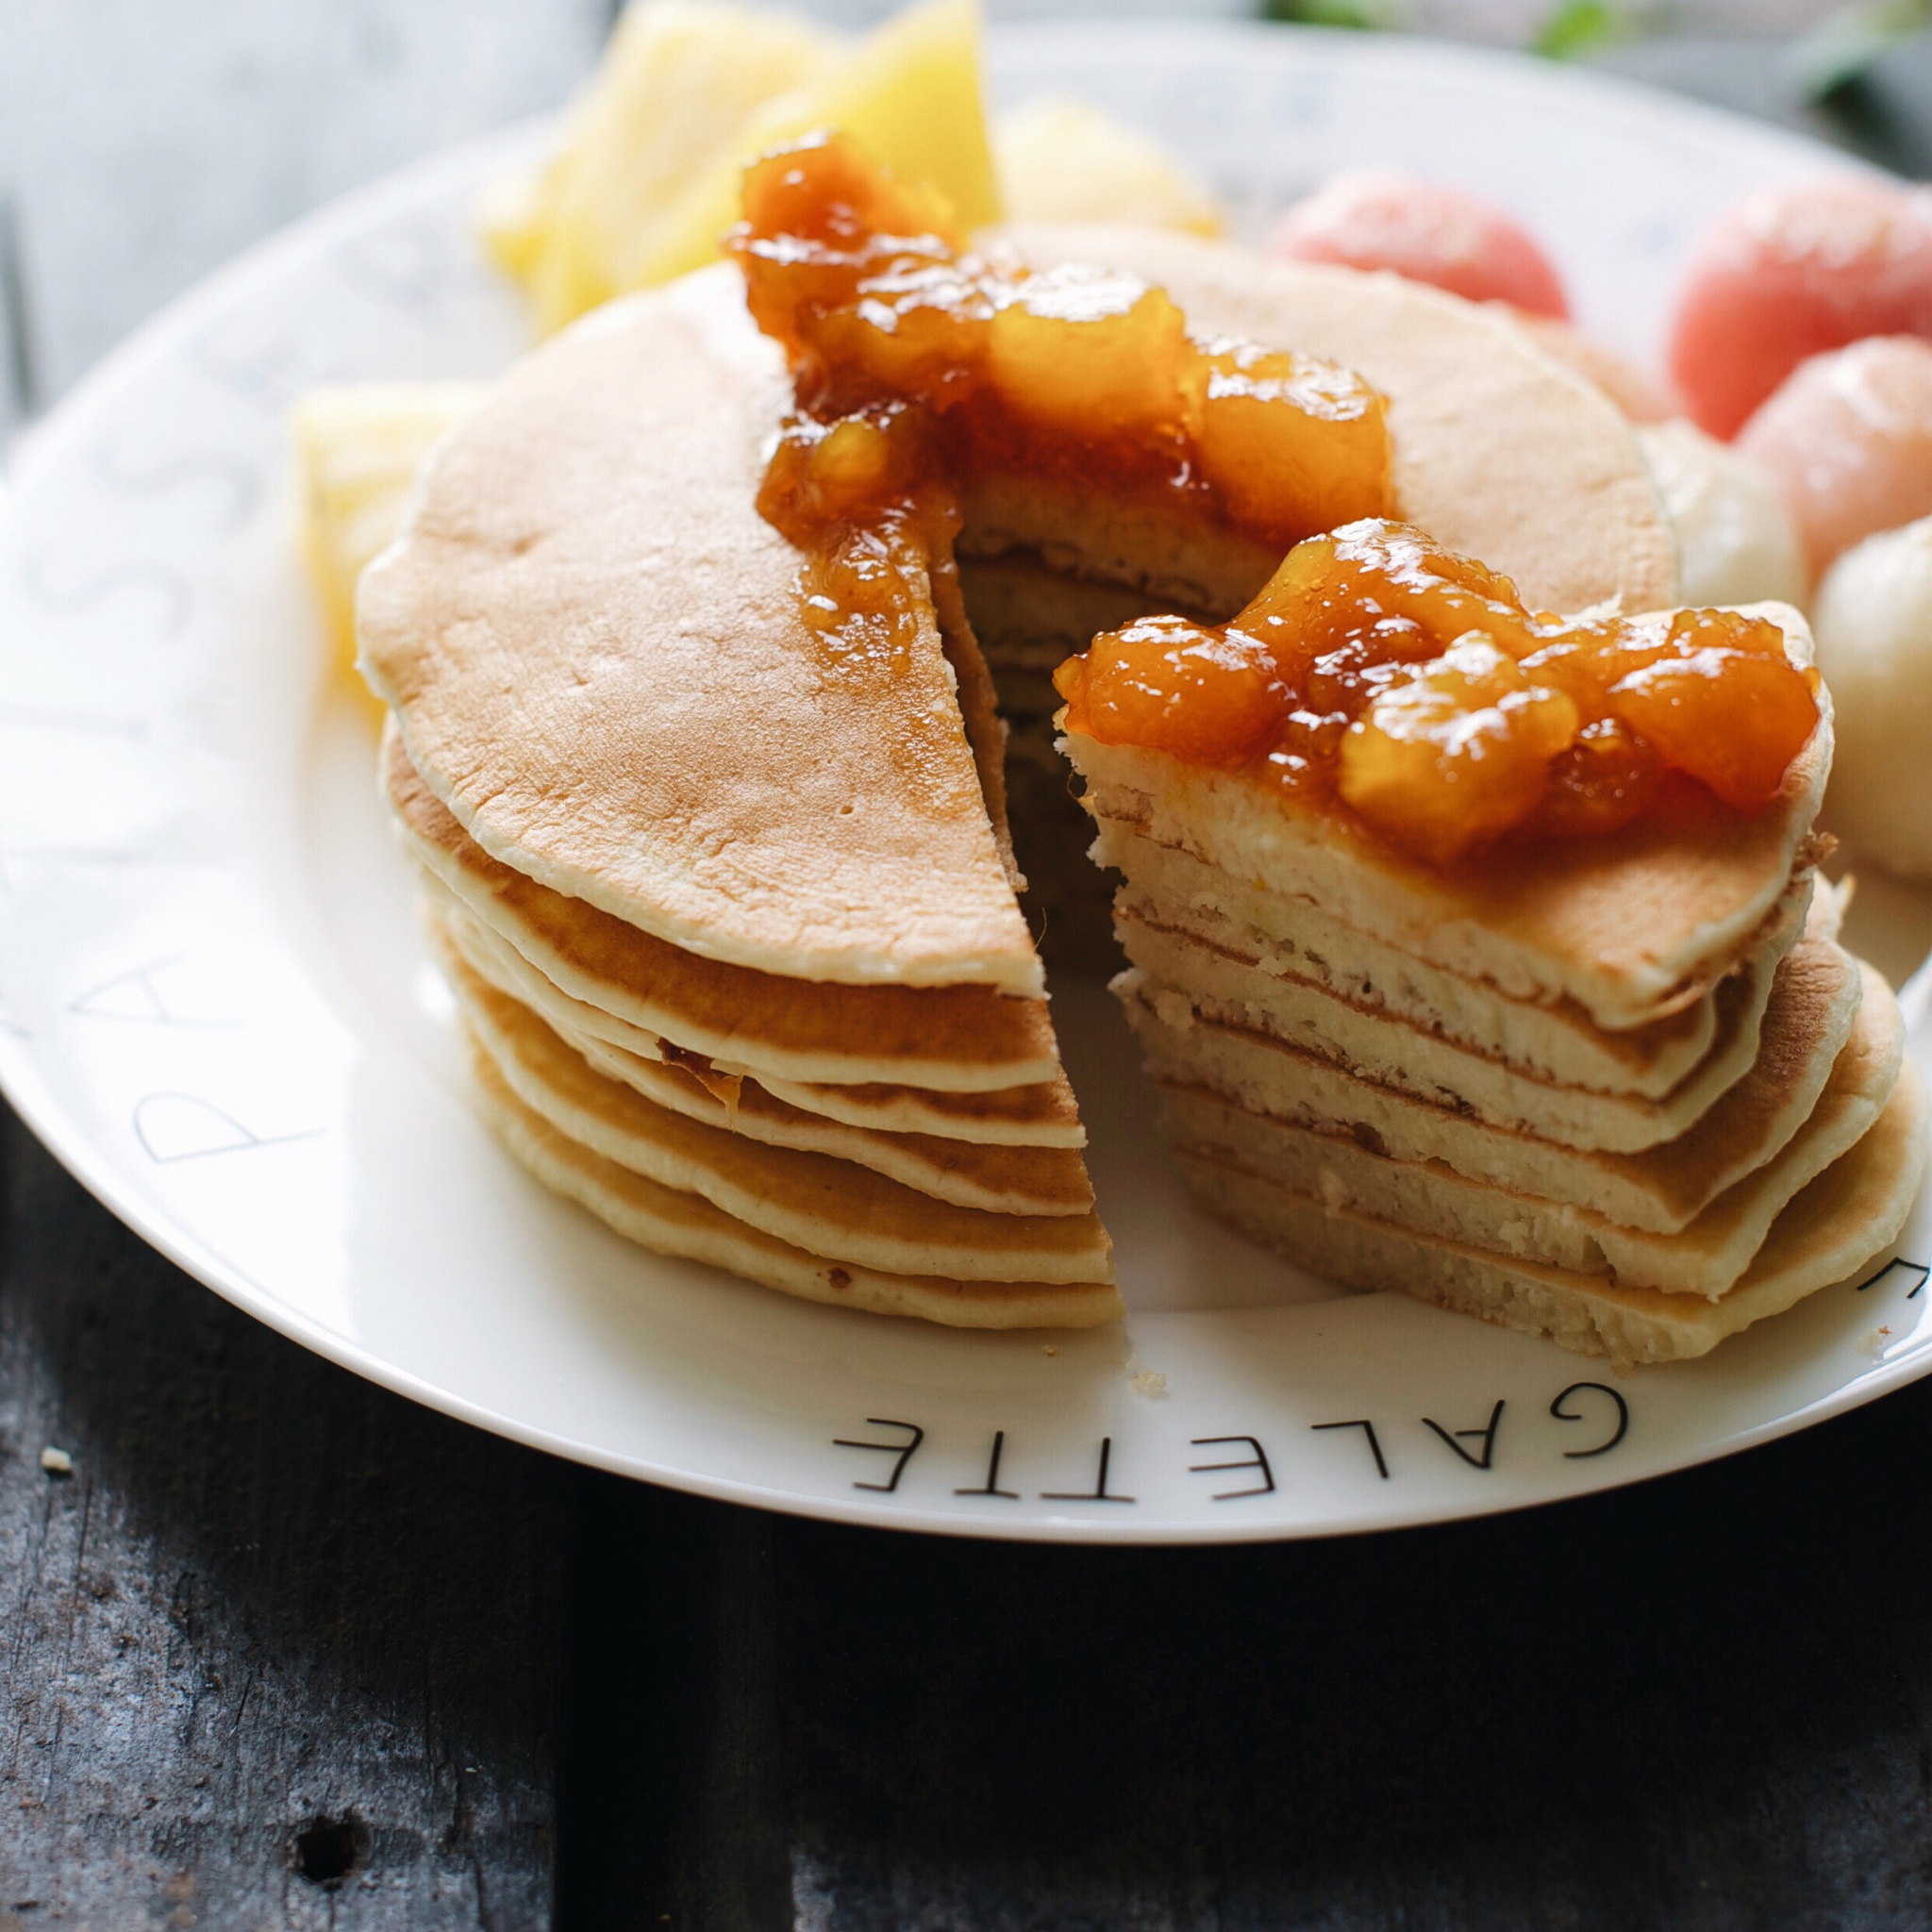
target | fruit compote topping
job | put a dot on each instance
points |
(917, 362)
(1383, 676)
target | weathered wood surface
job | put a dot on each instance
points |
(1706, 1702)
(282, 1650)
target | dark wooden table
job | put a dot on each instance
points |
(282, 1650)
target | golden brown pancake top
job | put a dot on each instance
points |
(992, 1038)
(595, 646)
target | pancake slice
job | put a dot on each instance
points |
(1705, 1258)
(994, 1180)
(1222, 984)
(689, 1226)
(1814, 1001)
(1837, 1224)
(1046, 1115)
(810, 1201)
(965, 1038)
(1632, 926)
(596, 651)
(1294, 940)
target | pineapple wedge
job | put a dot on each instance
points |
(909, 95)
(359, 448)
(646, 182)
(1061, 160)
(668, 107)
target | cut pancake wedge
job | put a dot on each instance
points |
(691, 1228)
(596, 651)
(961, 1038)
(1631, 925)
(992, 1180)
(1814, 1001)
(1849, 1214)
(810, 1201)
(1042, 1116)
(1705, 1258)
(1557, 1041)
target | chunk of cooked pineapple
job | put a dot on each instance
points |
(646, 180)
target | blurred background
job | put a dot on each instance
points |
(142, 143)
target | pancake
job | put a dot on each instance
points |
(994, 1179)
(734, 897)
(1217, 984)
(1706, 1257)
(1295, 940)
(821, 1205)
(1499, 450)
(690, 1226)
(594, 647)
(1037, 1116)
(1837, 1224)
(1808, 1020)
(968, 1038)
(1631, 925)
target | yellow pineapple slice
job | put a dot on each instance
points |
(668, 107)
(1062, 159)
(359, 448)
(648, 180)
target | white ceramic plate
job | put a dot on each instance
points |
(214, 1006)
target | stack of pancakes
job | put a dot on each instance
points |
(730, 921)
(731, 913)
(1628, 1093)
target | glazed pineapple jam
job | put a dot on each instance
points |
(915, 361)
(1381, 675)
(1375, 677)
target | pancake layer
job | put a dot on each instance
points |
(688, 1226)
(1628, 1093)
(1837, 1224)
